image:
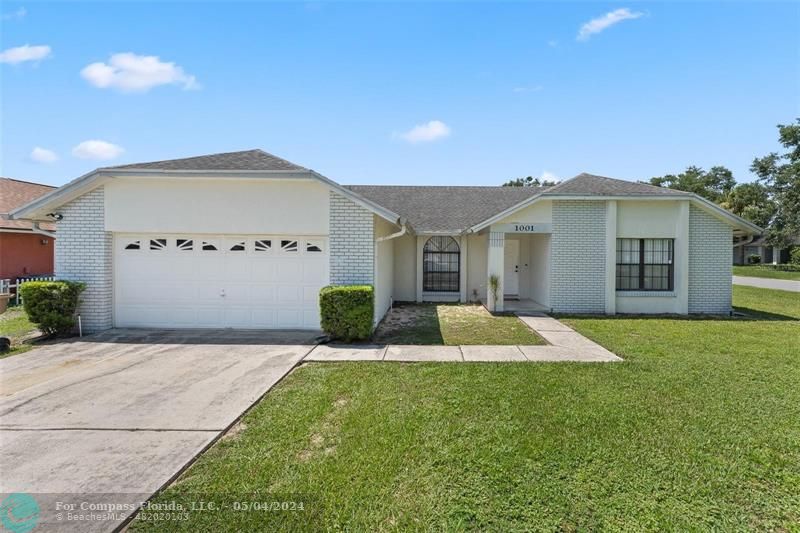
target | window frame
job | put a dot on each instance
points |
(641, 264)
(440, 257)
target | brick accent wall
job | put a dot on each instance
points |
(709, 263)
(83, 253)
(578, 256)
(351, 242)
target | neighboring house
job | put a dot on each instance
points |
(746, 247)
(246, 240)
(26, 248)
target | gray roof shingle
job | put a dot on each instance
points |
(589, 184)
(245, 160)
(430, 209)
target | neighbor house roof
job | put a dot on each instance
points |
(16, 193)
(431, 209)
(244, 160)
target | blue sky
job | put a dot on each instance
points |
(499, 90)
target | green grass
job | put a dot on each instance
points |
(451, 324)
(15, 325)
(764, 271)
(699, 429)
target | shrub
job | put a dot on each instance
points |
(794, 255)
(346, 311)
(51, 305)
(788, 267)
(753, 259)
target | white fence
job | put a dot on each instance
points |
(21, 281)
(5, 286)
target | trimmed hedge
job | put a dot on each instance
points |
(346, 311)
(794, 256)
(51, 305)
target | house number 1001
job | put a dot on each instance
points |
(524, 227)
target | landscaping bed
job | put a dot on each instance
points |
(697, 430)
(15, 325)
(451, 324)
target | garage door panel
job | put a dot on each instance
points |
(288, 294)
(181, 285)
(290, 318)
(262, 295)
(314, 273)
(264, 318)
(289, 271)
(237, 268)
(310, 294)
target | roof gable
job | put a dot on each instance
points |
(592, 185)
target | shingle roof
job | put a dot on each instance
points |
(245, 160)
(430, 209)
(16, 193)
(589, 184)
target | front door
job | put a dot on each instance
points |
(511, 268)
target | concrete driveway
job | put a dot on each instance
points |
(114, 416)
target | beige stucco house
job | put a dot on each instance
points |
(246, 240)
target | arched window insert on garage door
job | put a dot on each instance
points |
(441, 265)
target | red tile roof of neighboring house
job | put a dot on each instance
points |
(16, 193)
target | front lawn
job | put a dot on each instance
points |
(764, 271)
(15, 325)
(451, 324)
(699, 429)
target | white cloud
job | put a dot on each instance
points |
(97, 150)
(552, 43)
(549, 176)
(430, 131)
(599, 24)
(15, 15)
(130, 72)
(43, 155)
(528, 89)
(20, 54)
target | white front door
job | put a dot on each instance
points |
(218, 281)
(511, 268)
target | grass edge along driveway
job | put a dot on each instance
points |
(697, 430)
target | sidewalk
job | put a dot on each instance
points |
(767, 283)
(565, 344)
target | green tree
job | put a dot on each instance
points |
(751, 201)
(714, 185)
(529, 181)
(781, 176)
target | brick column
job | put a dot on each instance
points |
(84, 253)
(352, 245)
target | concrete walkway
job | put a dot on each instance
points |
(565, 344)
(766, 283)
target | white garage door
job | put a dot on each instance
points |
(218, 281)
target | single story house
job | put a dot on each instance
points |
(747, 247)
(26, 248)
(246, 240)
